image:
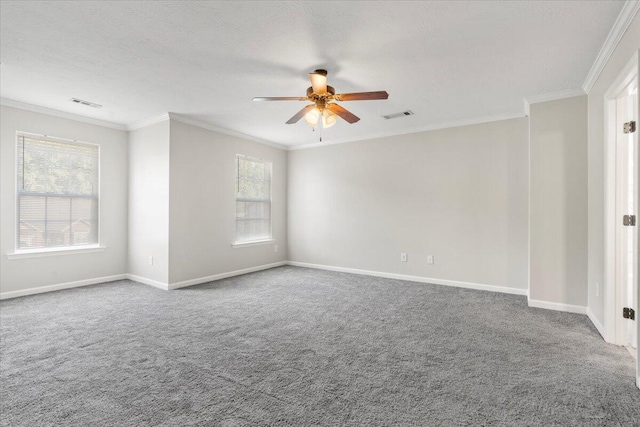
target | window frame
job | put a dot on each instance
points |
(53, 250)
(243, 243)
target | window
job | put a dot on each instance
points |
(57, 193)
(253, 199)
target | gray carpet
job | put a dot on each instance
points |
(301, 347)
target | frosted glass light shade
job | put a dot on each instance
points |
(328, 118)
(312, 117)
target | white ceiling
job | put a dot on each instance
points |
(445, 61)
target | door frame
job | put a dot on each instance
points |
(628, 73)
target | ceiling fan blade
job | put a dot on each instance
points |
(345, 114)
(280, 98)
(361, 96)
(300, 114)
(318, 82)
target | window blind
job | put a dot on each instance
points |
(57, 193)
(253, 199)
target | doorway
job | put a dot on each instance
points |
(622, 192)
(626, 212)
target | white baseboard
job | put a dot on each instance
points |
(558, 306)
(596, 323)
(135, 278)
(176, 285)
(149, 282)
(60, 286)
(200, 280)
(419, 279)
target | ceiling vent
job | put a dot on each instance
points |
(83, 102)
(396, 115)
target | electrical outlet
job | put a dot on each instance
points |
(150, 260)
(275, 248)
(429, 259)
(403, 257)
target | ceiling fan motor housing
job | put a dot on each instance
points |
(330, 91)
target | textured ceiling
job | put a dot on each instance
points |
(445, 61)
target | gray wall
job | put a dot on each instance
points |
(202, 204)
(558, 168)
(459, 194)
(149, 202)
(26, 273)
(628, 46)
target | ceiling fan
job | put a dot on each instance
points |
(323, 109)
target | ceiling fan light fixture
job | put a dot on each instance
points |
(314, 117)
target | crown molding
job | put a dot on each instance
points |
(553, 96)
(57, 113)
(137, 125)
(626, 15)
(545, 97)
(209, 126)
(437, 126)
(148, 122)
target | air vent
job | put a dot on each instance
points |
(83, 102)
(396, 115)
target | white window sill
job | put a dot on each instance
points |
(253, 243)
(55, 251)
